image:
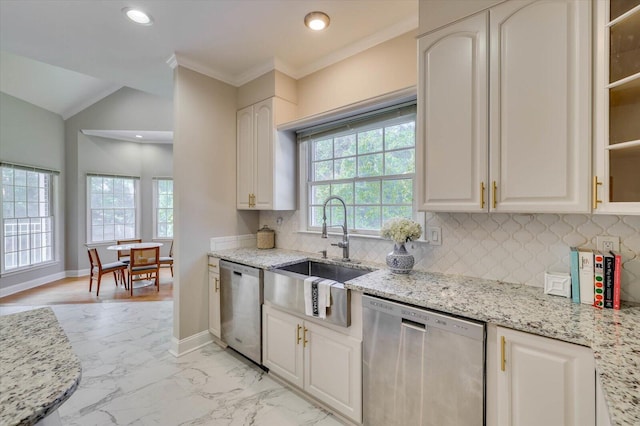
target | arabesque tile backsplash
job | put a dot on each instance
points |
(516, 248)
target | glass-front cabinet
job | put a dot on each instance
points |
(616, 183)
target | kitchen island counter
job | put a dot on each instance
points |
(38, 368)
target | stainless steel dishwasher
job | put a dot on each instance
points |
(421, 367)
(241, 308)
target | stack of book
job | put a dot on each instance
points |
(595, 277)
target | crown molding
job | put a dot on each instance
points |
(297, 73)
(172, 61)
(202, 69)
(358, 47)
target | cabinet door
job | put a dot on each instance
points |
(264, 161)
(214, 302)
(333, 370)
(282, 340)
(452, 129)
(245, 160)
(616, 182)
(540, 105)
(544, 381)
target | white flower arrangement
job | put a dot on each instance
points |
(401, 230)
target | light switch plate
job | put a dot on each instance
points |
(434, 235)
(606, 243)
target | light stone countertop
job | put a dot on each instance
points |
(38, 369)
(614, 336)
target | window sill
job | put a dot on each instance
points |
(29, 269)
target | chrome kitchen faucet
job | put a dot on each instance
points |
(344, 244)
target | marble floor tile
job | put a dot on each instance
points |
(129, 377)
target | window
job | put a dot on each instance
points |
(163, 208)
(112, 208)
(370, 163)
(27, 217)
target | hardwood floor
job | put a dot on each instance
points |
(76, 290)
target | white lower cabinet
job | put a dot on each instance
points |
(534, 380)
(214, 297)
(324, 363)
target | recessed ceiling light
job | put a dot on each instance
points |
(139, 136)
(138, 16)
(316, 20)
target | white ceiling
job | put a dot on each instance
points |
(52, 88)
(232, 40)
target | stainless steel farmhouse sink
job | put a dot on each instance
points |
(284, 288)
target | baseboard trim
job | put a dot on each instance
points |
(78, 273)
(190, 344)
(16, 288)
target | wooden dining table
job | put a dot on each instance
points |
(134, 245)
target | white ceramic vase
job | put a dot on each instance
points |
(399, 260)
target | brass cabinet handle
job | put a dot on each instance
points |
(494, 190)
(305, 341)
(298, 334)
(482, 195)
(503, 361)
(217, 284)
(213, 265)
(595, 192)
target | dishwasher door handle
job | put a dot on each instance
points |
(414, 325)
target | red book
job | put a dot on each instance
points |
(617, 273)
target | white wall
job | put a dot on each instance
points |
(126, 109)
(204, 170)
(33, 136)
(110, 156)
(385, 68)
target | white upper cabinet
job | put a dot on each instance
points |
(266, 159)
(616, 181)
(540, 106)
(527, 147)
(453, 124)
(246, 166)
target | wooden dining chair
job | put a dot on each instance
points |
(98, 269)
(123, 255)
(144, 264)
(168, 260)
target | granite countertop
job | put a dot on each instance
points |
(270, 258)
(614, 336)
(38, 369)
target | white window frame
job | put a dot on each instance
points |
(305, 182)
(53, 216)
(136, 198)
(156, 208)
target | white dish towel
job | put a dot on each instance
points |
(317, 296)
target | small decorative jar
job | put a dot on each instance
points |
(266, 238)
(399, 260)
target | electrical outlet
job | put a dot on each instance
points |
(606, 243)
(434, 235)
